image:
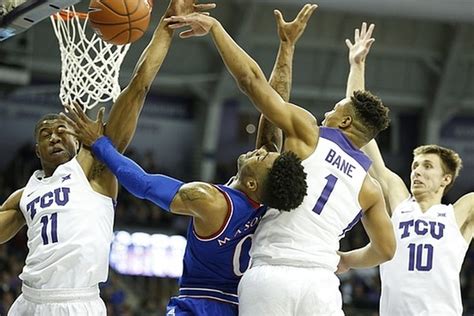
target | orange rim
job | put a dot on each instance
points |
(68, 15)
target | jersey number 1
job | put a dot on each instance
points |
(54, 228)
(323, 198)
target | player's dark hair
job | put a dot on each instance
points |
(371, 112)
(451, 162)
(46, 117)
(285, 185)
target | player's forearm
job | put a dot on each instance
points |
(252, 81)
(268, 135)
(356, 78)
(282, 74)
(124, 115)
(366, 257)
(237, 61)
(378, 169)
(156, 188)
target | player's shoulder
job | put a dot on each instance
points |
(370, 193)
(465, 203)
(13, 201)
(203, 194)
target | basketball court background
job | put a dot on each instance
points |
(196, 121)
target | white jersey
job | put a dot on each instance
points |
(70, 228)
(423, 276)
(309, 235)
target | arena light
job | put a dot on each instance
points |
(154, 255)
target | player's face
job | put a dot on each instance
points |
(54, 145)
(427, 175)
(335, 116)
(254, 162)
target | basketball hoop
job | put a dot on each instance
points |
(90, 67)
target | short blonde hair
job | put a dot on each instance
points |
(451, 161)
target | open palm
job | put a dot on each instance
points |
(363, 40)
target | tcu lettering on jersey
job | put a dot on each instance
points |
(58, 197)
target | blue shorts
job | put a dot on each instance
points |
(188, 306)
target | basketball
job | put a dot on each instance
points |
(120, 21)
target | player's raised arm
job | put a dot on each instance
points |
(11, 218)
(464, 208)
(297, 123)
(268, 135)
(392, 185)
(358, 52)
(123, 117)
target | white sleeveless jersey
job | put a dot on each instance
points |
(309, 235)
(70, 228)
(423, 276)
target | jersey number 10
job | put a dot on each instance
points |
(415, 260)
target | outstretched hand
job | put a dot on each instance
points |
(290, 32)
(85, 129)
(185, 7)
(199, 24)
(363, 40)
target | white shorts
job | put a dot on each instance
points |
(58, 302)
(285, 291)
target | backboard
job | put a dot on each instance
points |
(19, 15)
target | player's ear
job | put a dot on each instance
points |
(447, 179)
(37, 151)
(251, 184)
(345, 122)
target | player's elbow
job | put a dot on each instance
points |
(387, 249)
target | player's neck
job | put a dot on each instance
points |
(251, 195)
(355, 137)
(427, 199)
(48, 169)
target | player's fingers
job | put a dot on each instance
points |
(278, 17)
(78, 111)
(178, 25)
(363, 29)
(356, 34)
(205, 13)
(186, 34)
(70, 123)
(370, 30)
(311, 11)
(100, 115)
(348, 43)
(174, 19)
(204, 6)
(369, 43)
(71, 113)
(302, 12)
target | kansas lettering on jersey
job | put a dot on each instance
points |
(214, 265)
(429, 255)
(309, 235)
(70, 228)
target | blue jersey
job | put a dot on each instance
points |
(213, 265)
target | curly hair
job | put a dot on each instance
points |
(451, 162)
(370, 111)
(285, 185)
(46, 117)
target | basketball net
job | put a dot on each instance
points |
(90, 67)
